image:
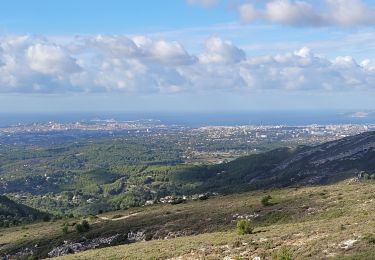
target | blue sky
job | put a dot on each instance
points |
(186, 55)
(111, 16)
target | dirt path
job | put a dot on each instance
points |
(120, 218)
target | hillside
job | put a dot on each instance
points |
(322, 164)
(12, 213)
(332, 161)
(310, 222)
(97, 176)
(317, 220)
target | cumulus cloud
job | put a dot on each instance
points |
(219, 51)
(139, 64)
(292, 13)
(169, 53)
(311, 13)
(50, 59)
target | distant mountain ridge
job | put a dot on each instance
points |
(306, 165)
(330, 161)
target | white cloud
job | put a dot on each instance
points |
(114, 45)
(142, 65)
(219, 51)
(368, 65)
(292, 13)
(169, 53)
(346, 62)
(311, 13)
(50, 59)
(351, 12)
(248, 12)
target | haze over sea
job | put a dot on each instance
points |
(201, 119)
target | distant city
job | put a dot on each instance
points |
(202, 144)
(153, 126)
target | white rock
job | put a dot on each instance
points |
(348, 244)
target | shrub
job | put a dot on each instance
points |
(244, 227)
(79, 228)
(283, 254)
(46, 218)
(266, 200)
(83, 226)
(370, 238)
(65, 229)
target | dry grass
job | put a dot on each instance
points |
(311, 222)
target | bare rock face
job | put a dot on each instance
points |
(329, 162)
(332, 161)
(164, 234)
(23, 254)
(136, 236)
(71, 248)
(66, 249)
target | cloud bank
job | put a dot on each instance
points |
(111, 63)
(310, 13)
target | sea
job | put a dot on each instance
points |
(195, 119)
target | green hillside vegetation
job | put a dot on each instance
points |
(91, 177)
(316, 222)
(60, 182)
(14, 214)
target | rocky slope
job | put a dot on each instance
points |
(332, 161)
(326, 163)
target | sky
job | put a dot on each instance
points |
(186, 55)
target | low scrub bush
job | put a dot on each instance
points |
(83, 226)
(65, 229)
(283, 254)
(266, 200)
(244, 227)
(370, 238)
